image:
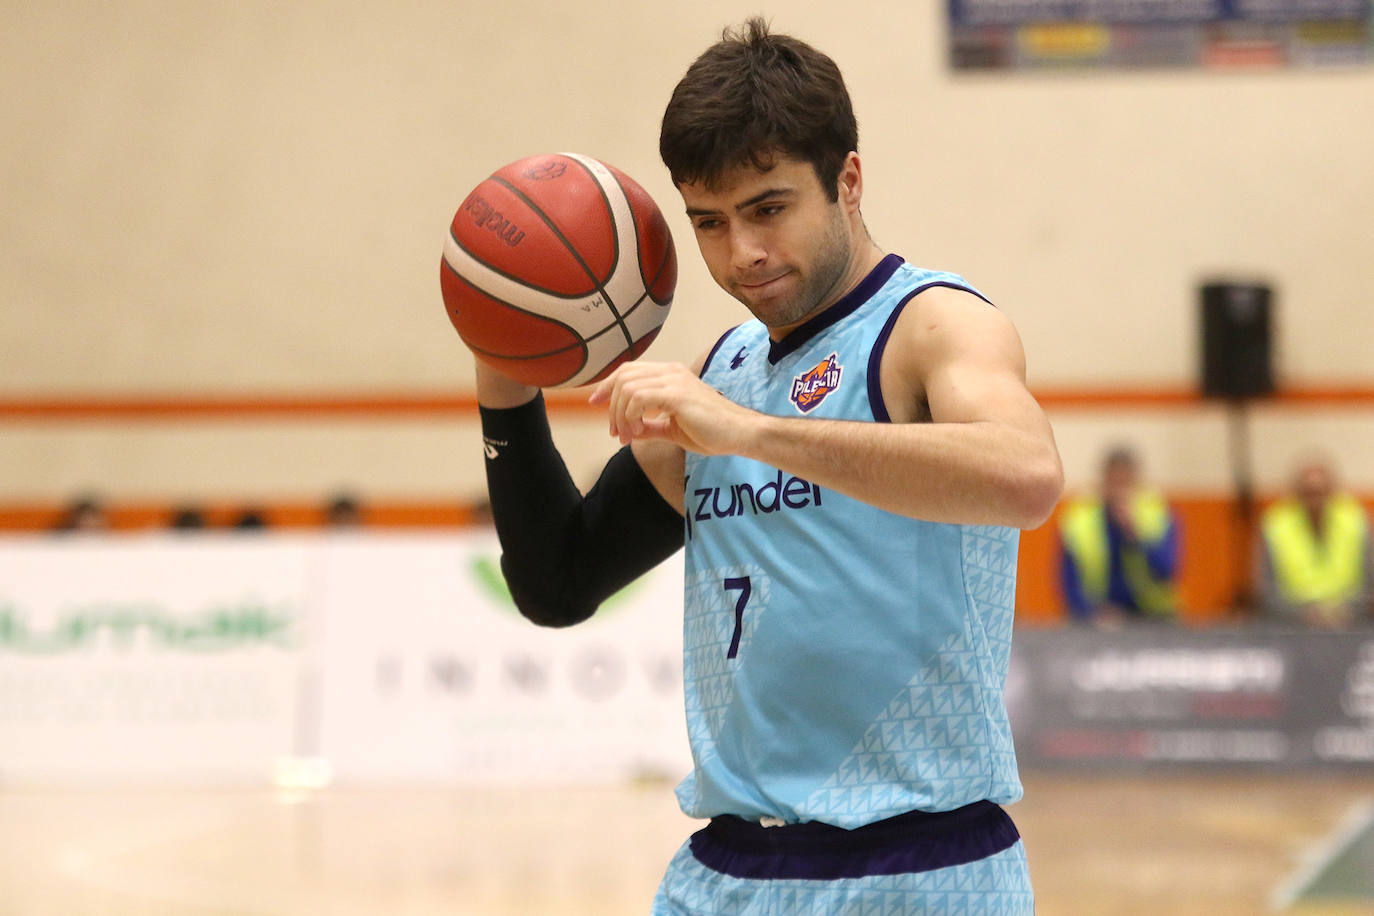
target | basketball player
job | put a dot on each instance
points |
(848, 471)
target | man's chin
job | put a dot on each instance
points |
(780, 314)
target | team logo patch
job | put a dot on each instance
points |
(811, 387)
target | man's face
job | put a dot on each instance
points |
(1313, 487)
(774, 240)
(1119, 481)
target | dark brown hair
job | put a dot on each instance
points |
(754, 95)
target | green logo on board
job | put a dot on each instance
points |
(124, 626)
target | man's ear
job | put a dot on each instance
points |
(851, 182)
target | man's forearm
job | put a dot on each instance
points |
(498, 391)
(965, 473)
(562, 552)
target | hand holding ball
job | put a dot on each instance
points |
(557, 269)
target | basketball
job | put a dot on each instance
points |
(557, 269)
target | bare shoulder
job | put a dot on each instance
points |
(944, 319)
(948, 337)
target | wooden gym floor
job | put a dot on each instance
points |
(1213, 844)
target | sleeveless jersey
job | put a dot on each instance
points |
(842, 663)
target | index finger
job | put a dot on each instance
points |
(601, 394)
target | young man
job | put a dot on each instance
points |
(848, 471)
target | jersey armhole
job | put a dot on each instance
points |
(712, 355)
(875, 356)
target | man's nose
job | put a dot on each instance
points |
(746, 249)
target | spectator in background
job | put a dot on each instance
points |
(188, 518)
(1119, 550)
(480, 517)
(1315, 559)
(251, 519)
(343, 512)
(86, 513)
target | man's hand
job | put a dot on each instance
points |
(1120, 511)
(1327, 615)
(1111, 617)
(668, 401)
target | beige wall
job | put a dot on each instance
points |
(251, 197)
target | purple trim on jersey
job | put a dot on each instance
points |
(912, 842)
(875, 357)
(712, 355)
(847, 303)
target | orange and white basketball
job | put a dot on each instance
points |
(557, 269)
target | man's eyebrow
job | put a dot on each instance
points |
(764, 195)
(745, 204)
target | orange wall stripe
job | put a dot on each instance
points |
(1090, 398)
(1102, 398)
(260, 406)
(77, 408)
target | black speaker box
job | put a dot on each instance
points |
(1237, 340)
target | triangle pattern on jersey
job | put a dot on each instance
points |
(708, 630)
(933, 731)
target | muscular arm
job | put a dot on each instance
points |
(563, 553)
(983, 453)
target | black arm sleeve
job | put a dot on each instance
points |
(563, 553)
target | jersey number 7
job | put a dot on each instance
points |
(742, 584)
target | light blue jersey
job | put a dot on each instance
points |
(843, 664)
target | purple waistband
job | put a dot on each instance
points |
(912, 842)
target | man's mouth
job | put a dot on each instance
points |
(760, 284)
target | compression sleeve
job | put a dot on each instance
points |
(563, 553)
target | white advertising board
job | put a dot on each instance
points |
(374, 658)
(430, 674)
(149, 657)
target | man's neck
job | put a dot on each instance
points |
(860, 266)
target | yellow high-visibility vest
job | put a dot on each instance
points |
(1308, 569)
(1084, 530)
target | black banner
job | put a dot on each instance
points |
(1155, 696)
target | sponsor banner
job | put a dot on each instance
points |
(149, 657)
(362, 658)
(1157, 696)
(431, 675)
(399, 658)
(1030, 34)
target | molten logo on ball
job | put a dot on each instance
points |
(488, 217)
(546, 171)
(557, 269)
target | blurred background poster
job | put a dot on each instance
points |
(1123, 34)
